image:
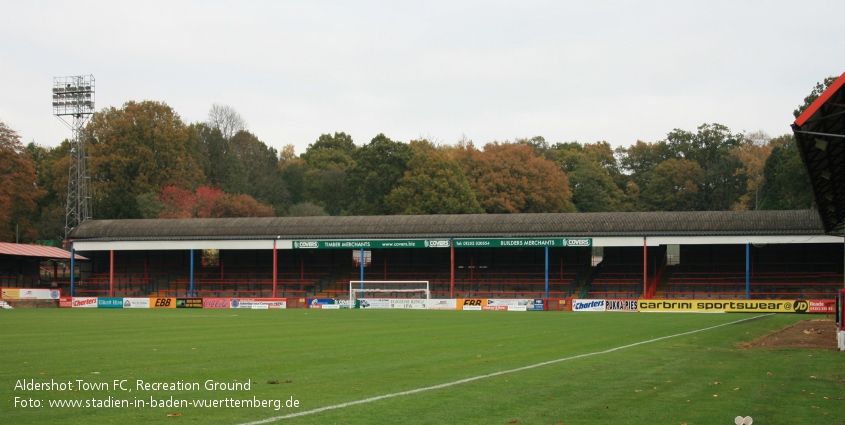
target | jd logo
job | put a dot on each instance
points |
(800, 306)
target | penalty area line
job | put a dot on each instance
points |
(490, 375)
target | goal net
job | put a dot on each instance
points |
(388, 289)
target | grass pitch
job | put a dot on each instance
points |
(326, 358)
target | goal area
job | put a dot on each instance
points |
(388, 289)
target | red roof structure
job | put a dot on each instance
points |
(820, 134)
(45, 252)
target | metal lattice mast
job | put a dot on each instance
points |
(73, 103)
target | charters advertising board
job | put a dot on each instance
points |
(84, 302)
(588, 305)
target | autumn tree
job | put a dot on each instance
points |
(753, 153)
(510, 178)
(673, 186)
(20, 194)
(209, 202)
(433, 184)
(140, 148)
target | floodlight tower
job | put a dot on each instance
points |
(73, 103)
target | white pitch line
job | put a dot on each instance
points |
(490, 375)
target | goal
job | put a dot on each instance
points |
(388, 289)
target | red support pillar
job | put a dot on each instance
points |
(275, 267)
(111, 273)
(452, 267)
(645, 267)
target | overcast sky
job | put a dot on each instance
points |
(585, 71)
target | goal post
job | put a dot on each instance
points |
(390, 288)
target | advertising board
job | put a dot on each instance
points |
(258, 303)
(30, 294)
(621, 305)
(588, 305)
(65, 302)
(375, 303)
(446, 304)
(188, 302)
(726, 306)
(136, 303)
(463, 303)
(822, 306)
(162, 302)
(109, 302)
(84, 302)
(216, 302)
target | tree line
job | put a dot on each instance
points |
(145, 162)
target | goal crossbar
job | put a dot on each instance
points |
(388, 286)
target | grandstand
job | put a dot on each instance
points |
(593, 255)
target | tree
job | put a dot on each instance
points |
(814, 94)
(225, 119)
(786, 185)
(260, 167)
(141, 148)
(215, 153)
(20, 193)
(753, 154)
(209, 202)
(591, 169)
(377, 169)
(148, 205)
(639, 159)
(510, 178)
(433, 184)
(673, 186)
(327, 161)
(50, 211)
(293, 173)
(708, 145)
(306, 209)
